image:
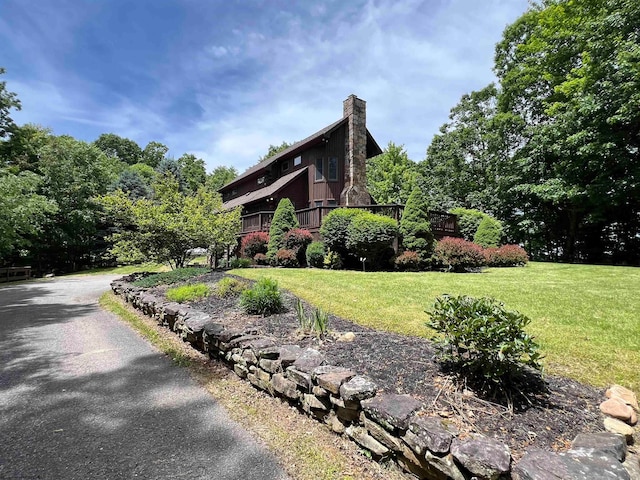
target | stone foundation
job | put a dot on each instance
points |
(388, 425)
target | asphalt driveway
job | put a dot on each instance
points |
(83, 396)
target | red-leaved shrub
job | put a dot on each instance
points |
(408, 261)
(253, 243)
(298, 239)
(260, 259)
(286, 258)
(506, 256)
(459, 255)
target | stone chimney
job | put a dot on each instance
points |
(355, 171)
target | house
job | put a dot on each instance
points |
(324, 171)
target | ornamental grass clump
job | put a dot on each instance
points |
(263, 299)
(317, 322)
(188, 293)
(230, 287)
(483, 339)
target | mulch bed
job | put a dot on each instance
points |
(553, 412)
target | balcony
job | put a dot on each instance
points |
(442, 224)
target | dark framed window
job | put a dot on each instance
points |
(332, 169)
(319, 169)
(332, 203)
(317, 203)
(285, 165)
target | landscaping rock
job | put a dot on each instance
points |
(228, 334)
(616, 408)
(316, 403)
(308, 360)
(482, 456)
(260, 344)
(632, 466)
(332, 380)
(301, 378)
(320, 392)
(250, 357)
(540, 465)
(347, 414)
(288, 354)
(271, 366)
(420, 467)
(616, 426)
(382, 435)
(427, 433)
(624, 394)
(391, 410)
(596, 444)
(358, 388)
(347, 337)
(361, 437)
(285, 386)
(240, 370)
(270, 353)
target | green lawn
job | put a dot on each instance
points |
(586, 318)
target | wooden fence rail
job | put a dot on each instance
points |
(13, 274)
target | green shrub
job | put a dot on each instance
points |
(408, 261)
(260, 259)
(230, 287)
(415, 226)
(483, 338)
(187, 293)
(254, 243)
(489, 233)
(298, 239)
(371, 236)
(317, 322)
(459, 255)
(286, 258)
(506, 256)
(332, 261)
(240, 263)
(315, 254)
(284, 219)
(263, 299)
(168, 278)
(334, 229)
(468, 221)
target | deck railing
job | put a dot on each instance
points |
(13, 274)
(442, 223)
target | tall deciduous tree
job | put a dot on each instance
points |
(193, 172)
(154, 153)
(274, 149)
(391, 175)
(123, 149)
(220, 176)
(8, 101)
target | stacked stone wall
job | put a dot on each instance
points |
(388, 425)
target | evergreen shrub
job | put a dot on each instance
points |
(489, 233)
(415, 226)
(335, 226)
(332, 261)
(458, 255)
(240, 263)
(371, 236)
(468, 221)
(254, 243)
(284, 219)
(315, 254)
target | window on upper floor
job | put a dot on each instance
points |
(332, 169)
(319, 169)
(297, 161)
(285, 165)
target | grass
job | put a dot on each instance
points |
(124, 270)
(586, 318)
(307, 450)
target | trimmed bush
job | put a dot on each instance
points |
(260, 259)
(408, 261)
(168, 278)
(489, 233)
(506, 256)
(468, 221)
(415, 226)
(298, 239)
(263, 299)
(371, 236)
(315, 254)
(332, 261)
(459, 255)
(254, 243)
(334, 229)
(187, 293)
(286, 258)
(230, 287)
(284, 219)
(483, 338)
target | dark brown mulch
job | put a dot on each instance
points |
(551, 414)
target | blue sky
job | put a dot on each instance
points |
(225, 79)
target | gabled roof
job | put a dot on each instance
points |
(264, 192)
(292, 150)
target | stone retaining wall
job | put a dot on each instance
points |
(387, 425)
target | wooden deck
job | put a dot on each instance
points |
(443, 224)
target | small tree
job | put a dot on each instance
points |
(415, 226)
(489, 233)
(284, 219)
(468, 221)
(371, 237)
(334, 229)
